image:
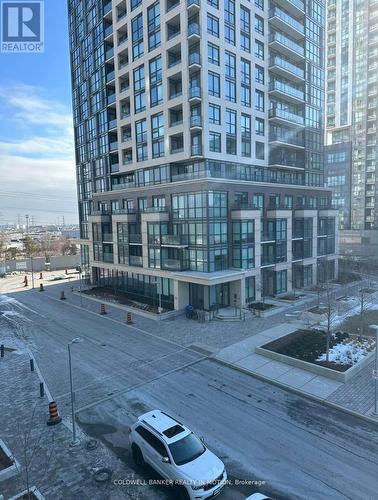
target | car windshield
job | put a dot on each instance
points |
(186, 449)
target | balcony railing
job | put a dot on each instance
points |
(245, 205)
(108, 31)
(110, 76)
(193, 29)
(194, 58)
(136, 260)
(109, 53)
(286, 138)
(190, 3)
(286, 89)
(287, 42)
(196, 150)
(277, 12)
(135, 238)
(113, 146)
(174, 240)
(112, 124)
(172, 265)
(286, 65)
(108, 257)
(107, 237)
(195, 121)
(194, 92)
(107, 8)
(286, 115)
(111, 98)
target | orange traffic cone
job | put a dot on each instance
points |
(54, 417)
(102, 309)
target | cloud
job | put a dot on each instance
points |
(36, 154)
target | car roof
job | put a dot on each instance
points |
(161, 422)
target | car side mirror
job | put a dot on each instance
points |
(165, 460)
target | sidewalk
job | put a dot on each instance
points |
(356, 395)
(56, 469)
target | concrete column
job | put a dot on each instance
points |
(181, 294)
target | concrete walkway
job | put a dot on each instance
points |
(242, 356)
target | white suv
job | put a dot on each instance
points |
(177, 455)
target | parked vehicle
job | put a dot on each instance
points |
(178, 455)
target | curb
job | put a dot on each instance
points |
(40, 376)
(370, 420)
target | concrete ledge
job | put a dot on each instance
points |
(11, 470)
(317, 369)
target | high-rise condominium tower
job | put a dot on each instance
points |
(199, 146)
(351, 108)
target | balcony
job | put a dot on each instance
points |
(107, 237)
(194, 60)
(294, 7)
(136, 260)
(282, 21)
(291, 140)
(173, 265)
(284, 44)
(194, 30)
(135, 239)
(285, 68)
(113, 146)
(174, 240)
(108, 31)
(112, 124)
(286, 117)
(290, 93)
(195, 121)
(194, 93)
(109, 54)
(108, 257)
(110, 76)
(107, 8)
(111, 99)
(196, 150)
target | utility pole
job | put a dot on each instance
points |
(27, 223)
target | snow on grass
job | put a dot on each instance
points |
(349, 352)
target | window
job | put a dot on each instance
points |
(259, 100)
(229, 21)
(281, 281)
(153, 19)
(137, 36)
(141, 139)
(259, 4)
(259, 151)
(259, 24)
(245, 127)
(230, 132)
(214, 142)
(214, 84)
(213, 3)
(213, 25)
(156, 86)
(245, 97)
(213, 53)
(214, 114)
(134, 4)
(259, 49)
(157, 131)
(245, 29)
(259, 74)
(259, 126)
(230, 90)
(139, 92)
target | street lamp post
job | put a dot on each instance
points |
(75, 441)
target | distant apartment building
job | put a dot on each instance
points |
(351, 108)
(199, 135)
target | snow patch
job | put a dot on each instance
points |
(349, 352)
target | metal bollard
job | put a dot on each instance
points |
(2, 350)
(32, 364)
(41, 389)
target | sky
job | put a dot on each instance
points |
(37, 167)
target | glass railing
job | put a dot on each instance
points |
(287, 65)
(110, 76)
(112, 124)
(113, 146)
(286, 115)
(194, 58)
(196, 150)
(286, 138)
(195, 121)
(107, 8)
(286, 89)
(298, 4)
(108, 31)
(174, 239)
(135, 238)
(279, 37)
(172, 265)
(189, 3)
(194, 92)
(136, 260)
(277, 12)
(193, 29)
(111, 98)
(109, 53)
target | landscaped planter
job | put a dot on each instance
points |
(35, 494)
(341, 373)
(9, 466)
(261, 309)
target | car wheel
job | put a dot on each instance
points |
(137, 456)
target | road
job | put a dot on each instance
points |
(301, 449)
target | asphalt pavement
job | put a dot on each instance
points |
(298, 448)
